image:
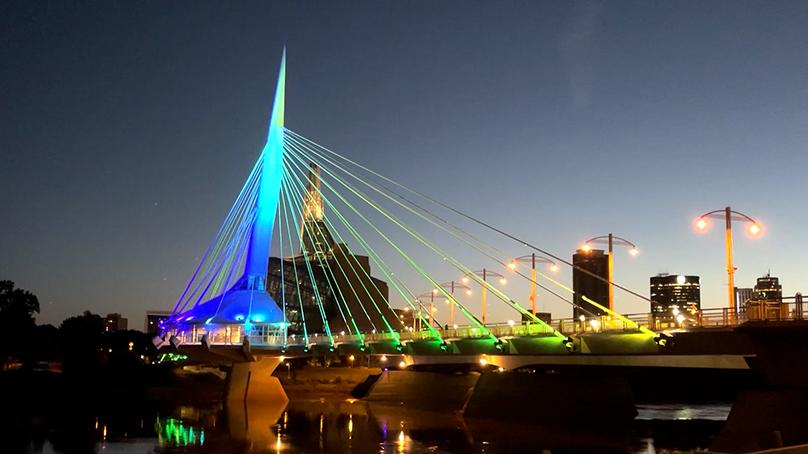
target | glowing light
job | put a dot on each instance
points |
(500, 370)
(754, 229)
(406, 309)
(434, 291)
(511, 322)
(582, 317)
(675, 311)
(633, 251)
(454, 326)
(383, 358)
(483, 362)
(239, 317)
(512, 265)
(503, 281)
(342, 333)
(468, 292)
(680, 279)
(554, 268)
(701, 224)
(402, 365)
(465, 280)
(131, 345)
(586, 248)
(680, 318)
(595, 324)
(351, 358)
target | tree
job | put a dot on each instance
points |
(17, 309)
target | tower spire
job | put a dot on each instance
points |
(255, 268)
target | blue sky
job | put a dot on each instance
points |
(127, 129)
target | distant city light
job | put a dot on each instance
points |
(680, 279)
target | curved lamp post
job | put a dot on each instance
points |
(532, 259)
(611, 240)
(729, 215)
(452, 286)
(485, 274)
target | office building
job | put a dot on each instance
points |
(742, 295)
(768, 288)
(583, 284)
(674, 291)
(114, 322)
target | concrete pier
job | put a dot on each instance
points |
(253, 381)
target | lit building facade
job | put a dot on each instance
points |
(674, 291)
(768, 288)
(115, 322)
(154, 320)
(597, 262)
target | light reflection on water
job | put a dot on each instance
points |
(354, 426)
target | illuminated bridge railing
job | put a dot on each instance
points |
(787, 309)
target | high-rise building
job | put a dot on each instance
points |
(669, 291)
(327, 286)
(742, 295)
(583, 284)
(768, 288)
(114, 322)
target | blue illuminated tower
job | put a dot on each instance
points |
(247, 302)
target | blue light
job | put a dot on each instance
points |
(259, 318)
(239, 317)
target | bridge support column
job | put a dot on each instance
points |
(253, 381)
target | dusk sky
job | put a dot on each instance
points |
(127, 128)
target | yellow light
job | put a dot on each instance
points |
(131, 344)
(511, 323)
(384, 358)
(680, 318)
(512, 265)
(754, 229)
(503, 281)
(465, 280)
(454, 326)
(351, 358)
(483, 362)
(406, 309)
(582, 317)
(586, 248)
(434, 291)
(468, 292)
(701, 224)
(633, 251)
(554, 268)
(402, 365)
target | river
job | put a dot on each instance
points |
(338, 425)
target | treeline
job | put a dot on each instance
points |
(79, 345)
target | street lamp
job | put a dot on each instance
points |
(452, 286)
(611, 240)
(532, 259)
(484, 273)
(753, 227)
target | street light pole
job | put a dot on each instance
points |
(611, 271)
(729, 215)
(533, 298)
(730, 266)
(483, 296)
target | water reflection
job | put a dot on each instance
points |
(336, 425)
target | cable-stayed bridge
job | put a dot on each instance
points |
(289, 272)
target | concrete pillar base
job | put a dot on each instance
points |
(253, 381)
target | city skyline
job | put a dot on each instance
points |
(113, 196)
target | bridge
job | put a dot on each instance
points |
(318, 296)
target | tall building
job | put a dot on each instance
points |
(669, 291)
(768, 288)
(115, 322)
(597, 262)
(326, 284)
(742, 295)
